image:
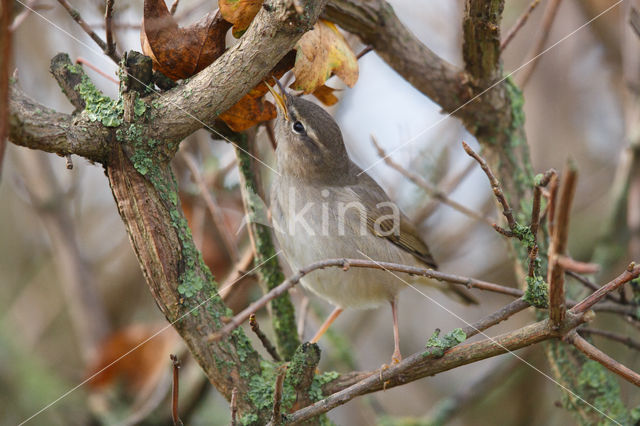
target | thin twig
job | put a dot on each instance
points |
(277, 397)
(448, 187)
(553, 200)
(234, 406)
(255, 327)
(558, 246)
(29, 6)
(426, 186)
(518, 25)
(95, 37)
(345, 264)
(633, 344)
(591, 285)
(570, 264)
(212, 207)
(545, 29)
(632, 272)
(174, 7)
(108, 18)
(503, 314)
(605, 360)
(174, 391)
(364, 52)
(495, 186)
(83, 61)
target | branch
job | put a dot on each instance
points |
(495, 186)
(422, 364)
(633, 344)
(558, 247)
(481, 47)
(518, 25)
(273, 32)
(87, 29)
(266, 343)
(427, 187)
(597, 355)
(345, 264)
(110, 48)
(270, 273)
(35, 126)
(538, 46)
(632, 272)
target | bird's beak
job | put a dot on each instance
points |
(279, 98)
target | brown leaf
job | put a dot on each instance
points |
(252, 109)
(323, 52)
(148, 347)
(325, 95)
(181, 52)
(248, 112)
(240, 13)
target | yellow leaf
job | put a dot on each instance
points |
(240, 13)
(321, 53)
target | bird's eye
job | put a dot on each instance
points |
(298, 127)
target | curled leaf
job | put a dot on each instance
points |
(325, 95)
(248, 112)
(240, 13)
(180, 52)
(321, 53)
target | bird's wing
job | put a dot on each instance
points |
(406, 236)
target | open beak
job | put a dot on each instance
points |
(279, 98)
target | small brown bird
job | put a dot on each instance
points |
(324, 206)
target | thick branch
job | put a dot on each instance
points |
(597, 355)
(421, 365)
(37, 127)
(273, 33)
(481, 48)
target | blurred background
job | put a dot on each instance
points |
(73, 299)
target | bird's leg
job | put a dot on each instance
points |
(396, 357)
(336, 312)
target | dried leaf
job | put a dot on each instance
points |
(248, 112)
(143, 366)
(252, 109)
(181, 52)
(323, 52)
(325, 95)
(240, 13)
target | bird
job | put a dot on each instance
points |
(324, 206)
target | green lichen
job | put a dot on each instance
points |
(537, 292)
(436, 345)
(98, 106)
(269, 271)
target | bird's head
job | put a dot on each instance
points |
(310, 144)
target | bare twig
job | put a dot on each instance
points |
(535, 220)
(632, 272)
(553, 200)
(358, 263)
(175, 391)
(255, 327)
(558, 247)
(426, 186)
(174, 7)
(87, 29)
(503, 314)
(277, 397)
(495, 186)
(448, 187)
(364, 52)
(29, 6)
(633, 344)
(108, 18)
(570, 264)
(591, 285)
(81, 60)
(234, 406)
(212, 207)
(597, 355)
(518, 25)
(545, 29)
